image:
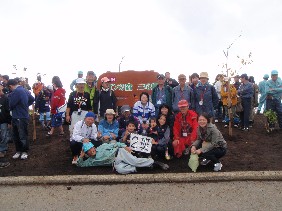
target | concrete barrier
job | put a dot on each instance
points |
(144, 178)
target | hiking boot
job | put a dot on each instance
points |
(205, 162)
(17, 155)
(24, 156)
(4, 164)
(217, 167)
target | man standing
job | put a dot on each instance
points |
(169, 81)
(91, 85)
(261, 87)
(19, 100)
(5, 121)
(162, 94)
(246, 92)
(182, 92)
(274, 93)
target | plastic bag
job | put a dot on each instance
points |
(193, 162)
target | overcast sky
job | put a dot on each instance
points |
(60, 37)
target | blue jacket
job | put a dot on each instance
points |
(186, 94)
(209, 96)
(246, 90)
(105, 128)
(19, 101)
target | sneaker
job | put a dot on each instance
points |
(223, 121)
(49, 134)
(217, 167)
(216, 120)
(24, 156)
(205, 162)
(17, 155)
(225, 126)
(74, 160)
(236, 126)
(246, 129)
(4, 164)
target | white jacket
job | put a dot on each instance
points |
(81, 131)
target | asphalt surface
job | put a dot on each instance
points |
(236, 195)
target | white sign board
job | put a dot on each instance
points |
(140, 143)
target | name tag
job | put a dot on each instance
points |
(184, 134)
(159, 102)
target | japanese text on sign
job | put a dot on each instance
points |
(140, 143)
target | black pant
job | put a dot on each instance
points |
(20, 134)
(158, 150)
(76, 147)
(245, 114)
(214, 154)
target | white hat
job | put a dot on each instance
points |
(204, 75)
(110, 111)
(80, 81)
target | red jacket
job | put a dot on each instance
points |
(58, 99)
(191, 119)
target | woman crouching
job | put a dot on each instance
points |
(210, 144)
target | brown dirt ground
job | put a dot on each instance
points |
(247, 151)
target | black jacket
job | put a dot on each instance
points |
(5, 116)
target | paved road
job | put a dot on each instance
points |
(174, 196)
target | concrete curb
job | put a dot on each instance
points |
(144, 178)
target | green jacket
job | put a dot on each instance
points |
(91, 91)
(213, 139)
(105, 155)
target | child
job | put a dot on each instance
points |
(159, 145)
(42, 104)
(152, 130)
(130, 128)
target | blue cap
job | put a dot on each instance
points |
(87, 146)
(90, 114)
(80, 72)
(266, 76)
(274, 72)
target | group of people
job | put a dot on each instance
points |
(178, 117)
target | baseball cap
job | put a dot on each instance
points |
(80, 81)
(160, 76)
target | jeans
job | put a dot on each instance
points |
(214, 154)
(276, 106)
(4, 137)
(48, 116)
(20, 134)
(245, 114)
